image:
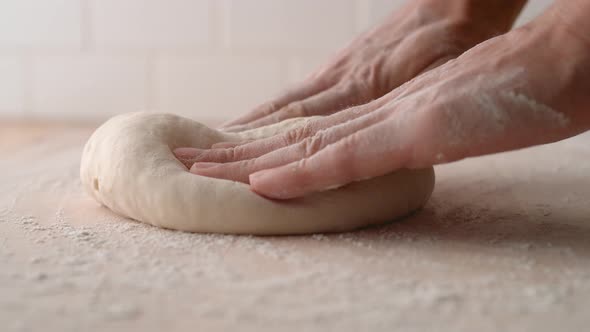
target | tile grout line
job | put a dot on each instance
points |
(225, 23)
(86, 31)
(217, 22)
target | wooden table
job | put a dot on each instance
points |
(503, 245)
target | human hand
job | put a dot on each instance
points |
(510, 92)
(421, 35)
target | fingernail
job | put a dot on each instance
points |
(258, 185)
(203, 165)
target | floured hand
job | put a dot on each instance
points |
(510, 92)
(420, 36)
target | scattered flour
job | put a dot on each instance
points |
(541, 111)
(504, 109)
(477, 256)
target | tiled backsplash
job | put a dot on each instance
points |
(89, 59)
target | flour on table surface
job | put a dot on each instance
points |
(499, 247)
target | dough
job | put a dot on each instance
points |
(128, 166)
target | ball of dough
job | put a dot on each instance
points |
(128, 166)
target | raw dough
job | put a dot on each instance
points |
(128, 165)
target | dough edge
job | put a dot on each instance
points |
(128, 166)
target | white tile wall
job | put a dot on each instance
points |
(156, 24)
(219, 86)
(34, 23)
(289, 24)
(89, 86)
(210, 59)
(12, 83)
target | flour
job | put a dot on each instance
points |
(539, 110)
(491, 107)
(142, 144)
(123, 311)
(476, 258)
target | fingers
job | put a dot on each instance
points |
(240, 170)
(326, 102)
(226, 145)
(260, 147)
(226, 152)
(236, 171)
(229, 154)
(303, 91)
(368, 153)
(186, 156)
(235, 128)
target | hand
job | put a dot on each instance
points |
(510, 92)
(422, 35)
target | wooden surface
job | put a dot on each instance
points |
(503, 245)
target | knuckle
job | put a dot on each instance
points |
(302, 167)
(240, 153)
(230, 153)
(348, 95)
(267, 108)
(296, 109)
(249, 165)
(369, 87)
(252, 165)
(292, 110)
(245, 168)
(312, 145)
(299, 134)
(201, 156)
(290, 137)
(307, 129)
(366, 83)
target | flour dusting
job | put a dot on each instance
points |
(492, 248)
(491, 108)
(542, 111)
